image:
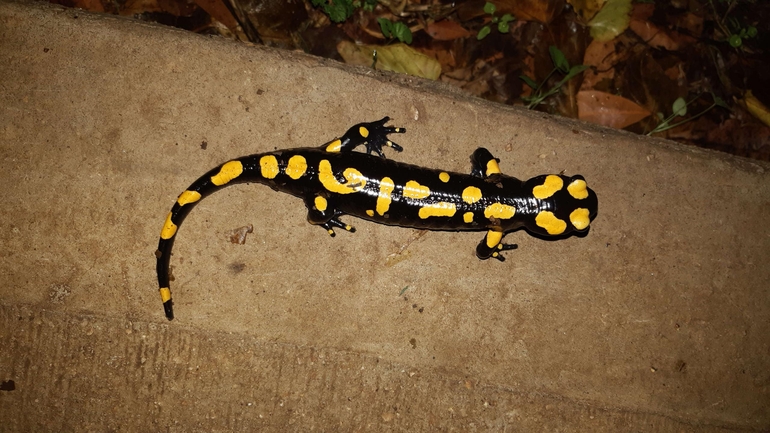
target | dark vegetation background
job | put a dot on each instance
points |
(620, 63)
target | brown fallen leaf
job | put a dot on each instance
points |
(587, 8)
(219, 11)
(653, 35)
(542, 11)
(609, 110)
(447, 30)
(602, 56)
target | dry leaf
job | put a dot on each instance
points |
(397, 58)
(611, 21)
(756, 107)
(609, 110)
(587, 8)
(447, 30)
(602, 56)
(653, 35)
(530, 10)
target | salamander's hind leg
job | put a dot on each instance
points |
(320, 212)
(335, 222)
(483, 164)
(491, 246)
(373, 135)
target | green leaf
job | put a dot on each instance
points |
(386, 26)
(559, 60)
(338, 11)
(575, 70)
(735, 41)
(489, 8)
(369, 5)
(483, 32)
(679, 107)
(719, 101)
(402, 32)
(751, 32)
(508, 18)
(528, 81)
(503, 27)
(611, 21)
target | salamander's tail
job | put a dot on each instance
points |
(226, 174)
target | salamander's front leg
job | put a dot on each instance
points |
(483, 164)
(373, 135)
(320, 212)
(491, 246)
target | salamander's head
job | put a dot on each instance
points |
(565, 204)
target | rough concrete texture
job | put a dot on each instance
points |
(657, 320)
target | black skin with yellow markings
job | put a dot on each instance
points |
(334, 180)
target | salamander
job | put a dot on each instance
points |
(334, 180)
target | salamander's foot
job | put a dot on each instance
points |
(335, 222)
(483, 164)
(373, 135)
(503, 247)
(491, 246)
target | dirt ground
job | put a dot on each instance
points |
(657, 320)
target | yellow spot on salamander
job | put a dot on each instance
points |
(493, 238)
(320, 203)
(165, 294)
(370, 212)
(413, 189)
(188, 197)
(384, 197)
(334, 147)
(468, 217)
(268, 166)
(439, 209)
(363, 131)
(296, 167)
(552, 184)
(229, 171)
(493, 167)
(169, 228)
(355, 181)
(444, 176)
(578, 189)
(471, 194)
(580, 218)
(499, 211)
(551, 224)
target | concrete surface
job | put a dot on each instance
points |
(655, 321)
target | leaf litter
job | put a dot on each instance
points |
(627, 64)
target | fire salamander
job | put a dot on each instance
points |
(333, 180)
